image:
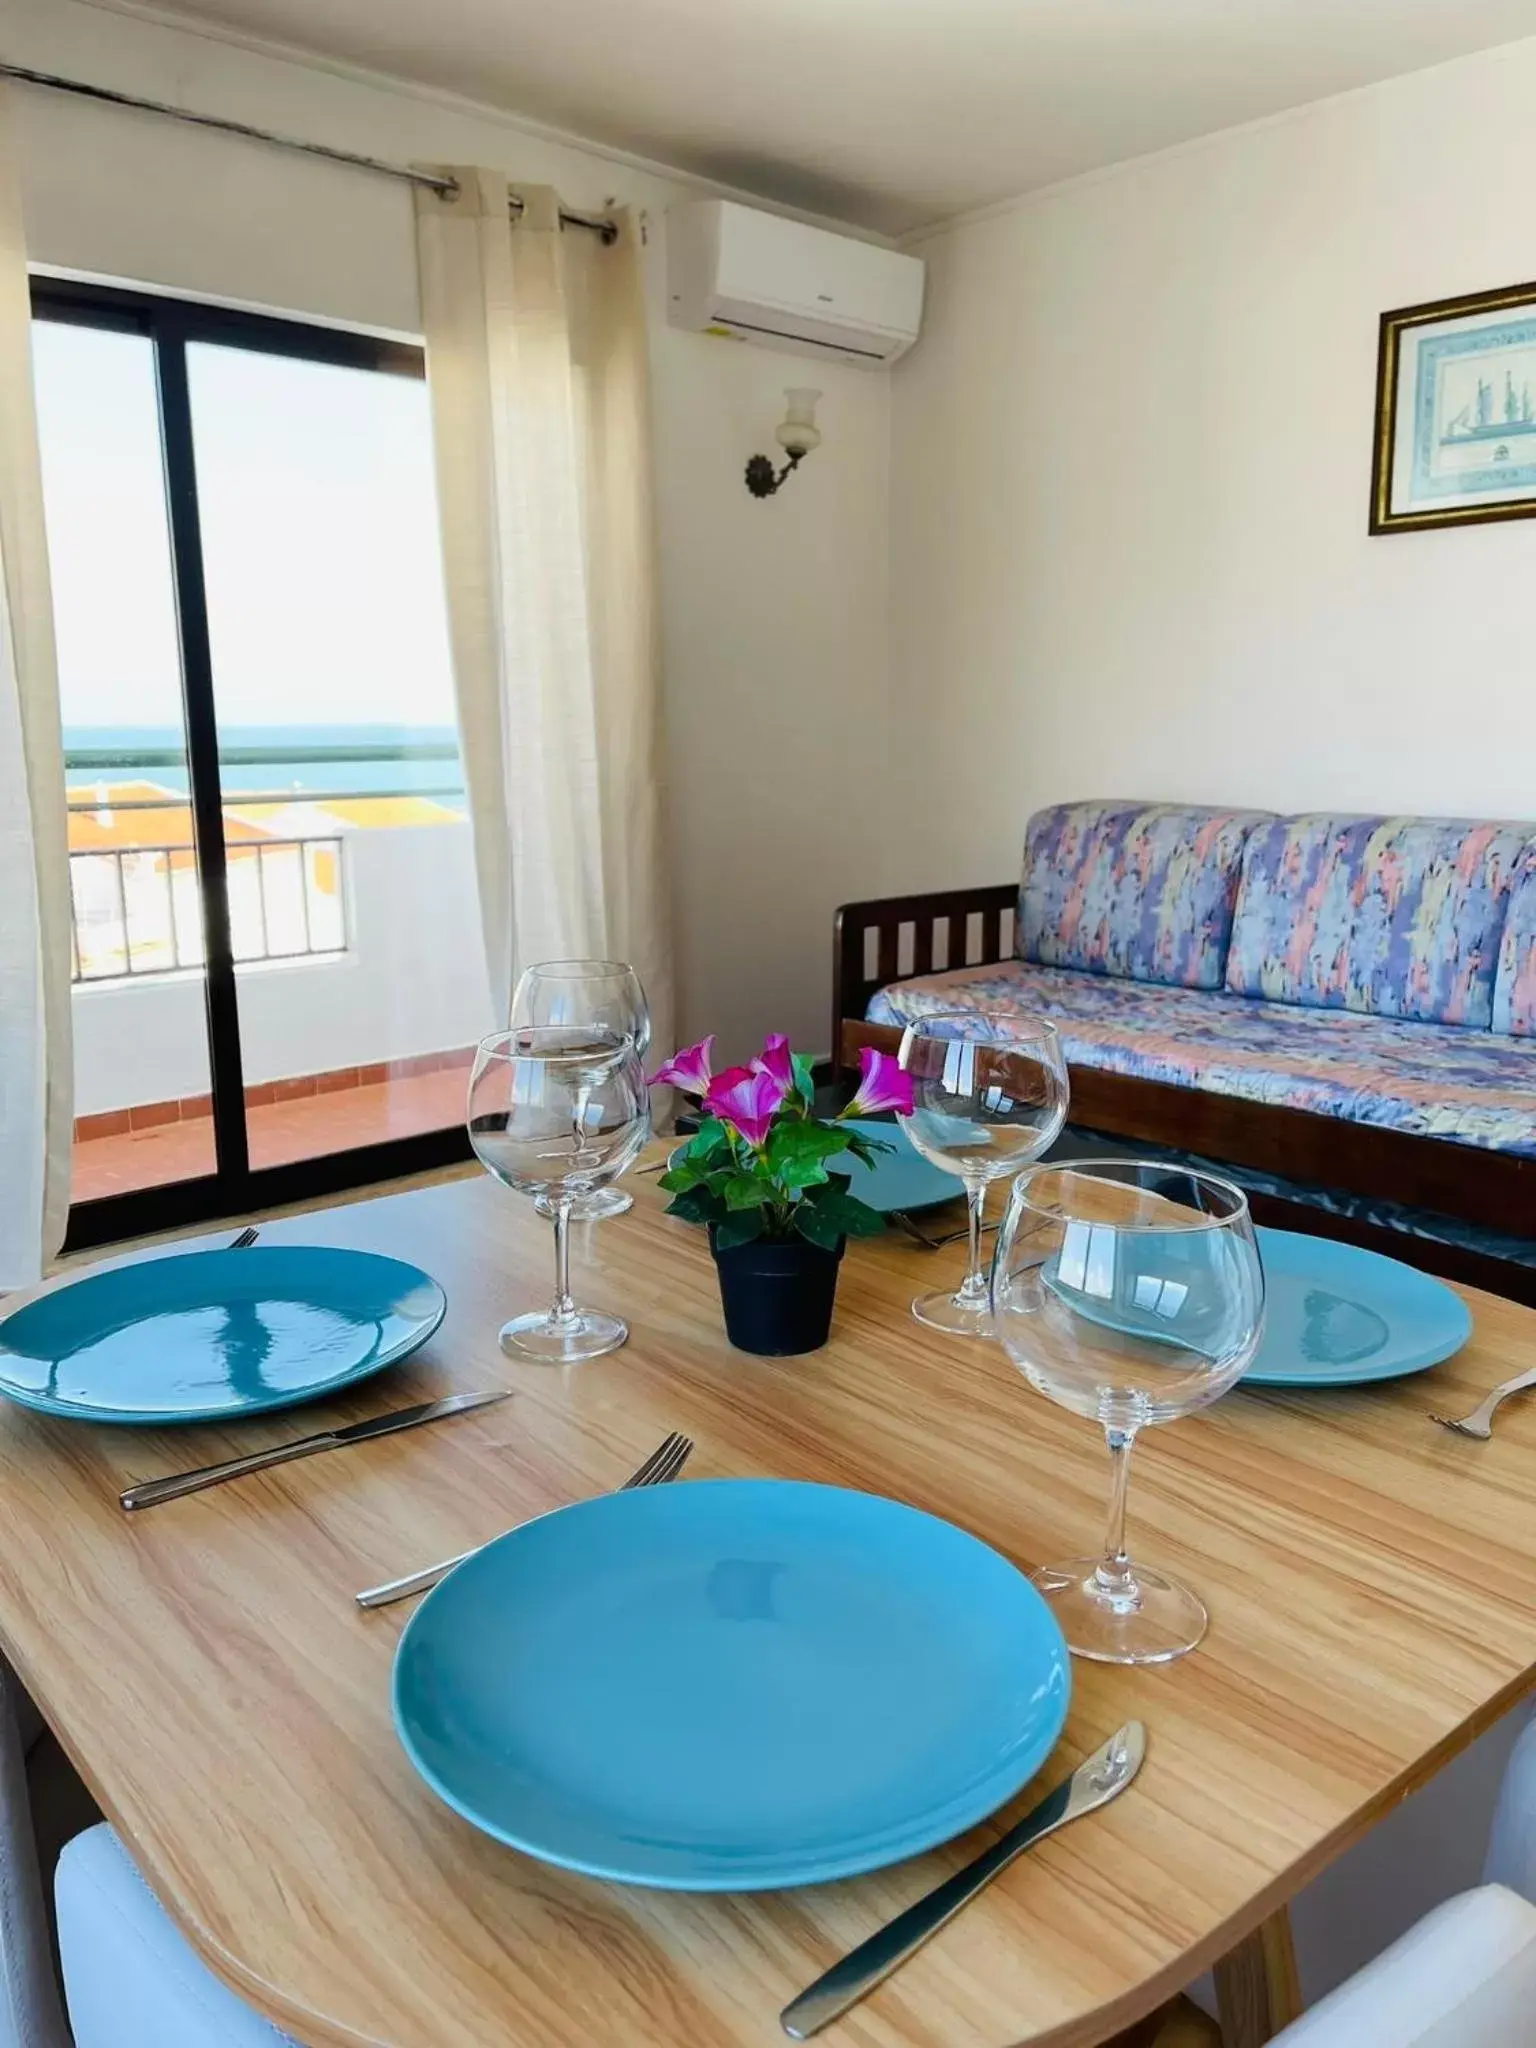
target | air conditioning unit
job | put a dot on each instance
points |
(758, 277)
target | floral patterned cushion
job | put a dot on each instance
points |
(1138, 890)
(1431, 1080)
(1399, 917)
(1514, 991)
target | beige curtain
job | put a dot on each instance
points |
(36, 1060)
(536, 362)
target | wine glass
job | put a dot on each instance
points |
(1131, 1292)
(606, 993)
(988, 1095)
(554, 1112)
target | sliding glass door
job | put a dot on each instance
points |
(278, 967)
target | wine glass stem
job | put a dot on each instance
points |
(973, 1290)
(1114, 1581)
(564, 1309)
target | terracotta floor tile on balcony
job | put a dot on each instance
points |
(304, 1126)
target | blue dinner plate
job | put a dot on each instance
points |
(899, 1179)
(1337, 1316)
(730, 1685)
(203, 1336)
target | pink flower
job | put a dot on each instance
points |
(883, 1084)
(774, 1059)
(688, 1069)
(747, 1099)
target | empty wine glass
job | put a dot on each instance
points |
(605, 993)
(988, 1095)
(1130, 1292)
(556, 1111)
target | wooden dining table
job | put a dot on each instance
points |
(1371, 1580)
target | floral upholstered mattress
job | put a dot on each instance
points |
(1473, 1087)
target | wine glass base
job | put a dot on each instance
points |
(594, 1208)
(570, 1340)
(1167, 1621)
(953, 1315)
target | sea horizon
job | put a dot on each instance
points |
(259, 758)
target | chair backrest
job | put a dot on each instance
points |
(1136, 890)
(1512, 1838)
(1402, 917)
(1463, 1977)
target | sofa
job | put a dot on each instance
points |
(1343, 1008)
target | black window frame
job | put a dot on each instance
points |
(235, 1187)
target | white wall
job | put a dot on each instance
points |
(412, 980)
(1130, 471)
(773, 614)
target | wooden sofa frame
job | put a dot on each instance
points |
(896, 937)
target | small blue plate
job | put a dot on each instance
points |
(1337, 1316)
(730, 1685)
(899, 1179)
(205, 1336)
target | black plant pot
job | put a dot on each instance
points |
(777, 1294)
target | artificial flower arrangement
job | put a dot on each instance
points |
(762, 1164)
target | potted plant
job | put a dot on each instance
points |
(761, 1172)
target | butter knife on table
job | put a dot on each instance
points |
(150, 1492)
(1093, 1784)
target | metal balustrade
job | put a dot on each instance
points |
(136, 911)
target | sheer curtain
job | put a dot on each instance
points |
(36, 1062)
(536, 362)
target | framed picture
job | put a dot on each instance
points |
(1456, 412)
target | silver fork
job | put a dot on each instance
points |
(1480, 1422)
(247, 1236)
(664, 1463)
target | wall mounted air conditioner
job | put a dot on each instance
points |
(755, 276)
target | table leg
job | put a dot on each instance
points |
(1257, 1992)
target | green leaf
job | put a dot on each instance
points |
(741, 1228)
(867, 1149)
(678, 1179)
(709, 1136)
(846, 1215)
(800, 1175)
(791, 1143)
(803, 1065)
(744, 1191)
(816, 1226)
(695, 1205)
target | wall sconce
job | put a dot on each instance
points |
(797, 435)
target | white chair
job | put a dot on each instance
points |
(131, 1978)
(1465, 1975)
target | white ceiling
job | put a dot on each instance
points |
(889, 113)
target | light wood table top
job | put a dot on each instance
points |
(1371, 1579)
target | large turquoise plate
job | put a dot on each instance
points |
(1337, 1316)
(209, 1336)
(730, 1685)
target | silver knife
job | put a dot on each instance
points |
(151, 1492)
(1107, 1772)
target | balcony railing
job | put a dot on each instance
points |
(138, 910)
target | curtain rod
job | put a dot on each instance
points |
(595, 223)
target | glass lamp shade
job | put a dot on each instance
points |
(799, 433)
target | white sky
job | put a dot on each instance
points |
(319, 537)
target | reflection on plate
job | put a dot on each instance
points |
(200, 1336)
(1337, 1316)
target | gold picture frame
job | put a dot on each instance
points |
(1456, 412)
